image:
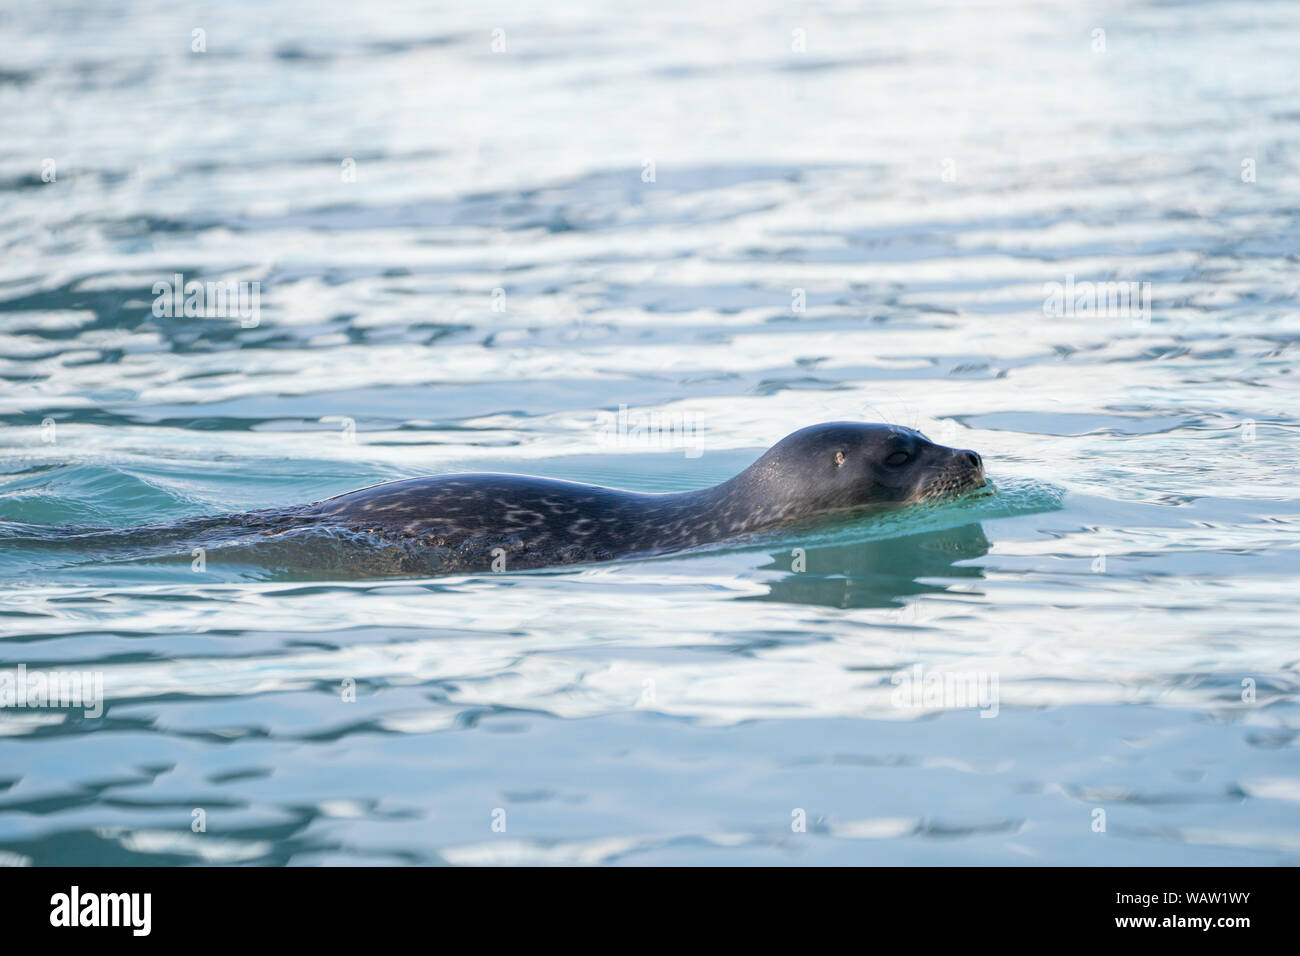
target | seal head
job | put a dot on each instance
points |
(844, 466)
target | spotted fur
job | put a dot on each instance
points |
(479, 522)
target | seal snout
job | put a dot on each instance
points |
(957, 471)
(975, 465)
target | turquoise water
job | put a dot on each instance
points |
(1112, 628)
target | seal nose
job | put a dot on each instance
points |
(974, 460)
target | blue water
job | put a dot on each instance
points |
(1124, 597)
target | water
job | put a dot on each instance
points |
(1125, 602)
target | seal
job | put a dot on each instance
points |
(480, 522)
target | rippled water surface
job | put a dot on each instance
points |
(469, 260)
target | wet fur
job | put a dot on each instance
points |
(479, 522)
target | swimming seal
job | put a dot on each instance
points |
(480, 522)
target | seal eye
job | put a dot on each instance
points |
(898, 458)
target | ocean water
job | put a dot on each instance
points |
(636, 245)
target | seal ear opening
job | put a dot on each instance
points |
(839, 458)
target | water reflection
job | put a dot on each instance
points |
(876, 574)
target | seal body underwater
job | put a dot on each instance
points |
(479, 522)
